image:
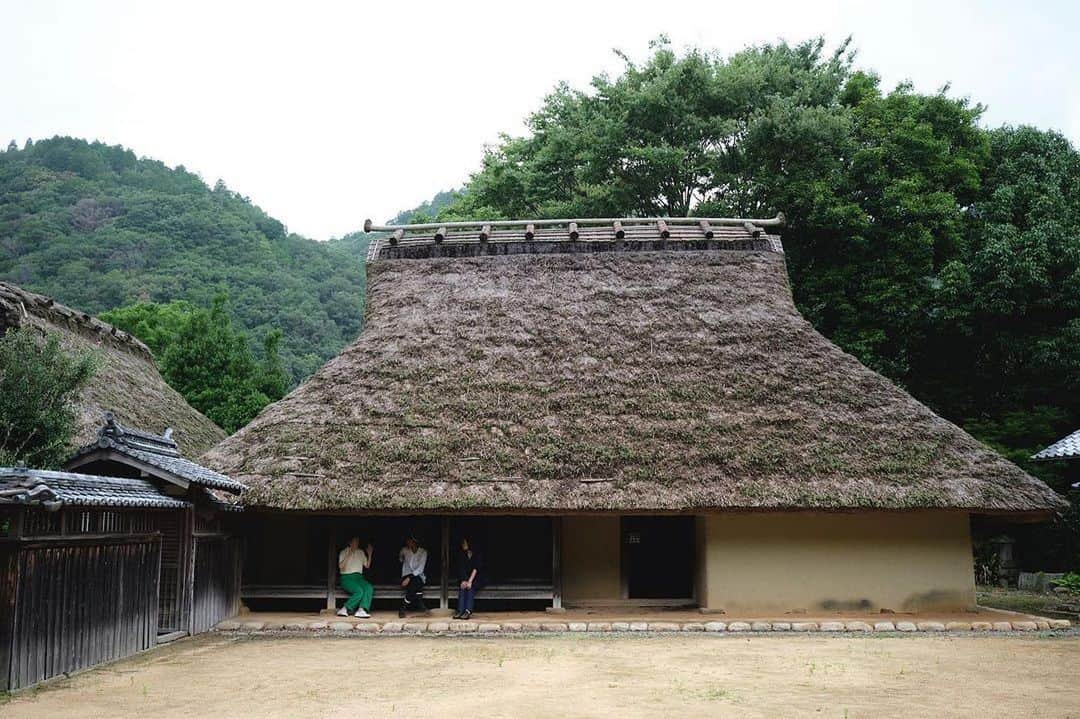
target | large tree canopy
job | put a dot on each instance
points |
(943, 254)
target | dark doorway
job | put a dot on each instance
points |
(658, 557)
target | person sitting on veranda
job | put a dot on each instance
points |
(470, 576)
(352, 561)
(413, 563)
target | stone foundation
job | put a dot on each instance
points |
(487, 628)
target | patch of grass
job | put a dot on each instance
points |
(1021, 600)
(713, 694)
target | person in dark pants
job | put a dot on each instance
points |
(413, 564)
(470, 575)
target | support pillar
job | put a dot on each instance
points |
(444, 566)
(556, 564)
(331, 571)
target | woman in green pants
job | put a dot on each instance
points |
(352, 561)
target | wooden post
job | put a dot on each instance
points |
(188, 620)
(444, 566)
(331, 570)
(556, 564)
(624, 560)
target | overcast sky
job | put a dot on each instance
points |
(327, 113)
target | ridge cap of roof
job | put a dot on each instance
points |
(570, 236)
(115, 432)
(23, 303)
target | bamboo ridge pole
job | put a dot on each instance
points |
(531, 225)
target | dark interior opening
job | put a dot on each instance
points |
(658, 557)
(291, 550)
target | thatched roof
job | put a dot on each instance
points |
(127, 382)
(604, 380)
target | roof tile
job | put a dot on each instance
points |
(46, 487)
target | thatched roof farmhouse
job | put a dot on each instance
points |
(648, 390)
(127, 382)
(680, 379)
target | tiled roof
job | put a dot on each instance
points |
(1062, 449)
(567, 236)
(36, 486)
(158, 451)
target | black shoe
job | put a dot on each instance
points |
(421, 607)
(458, 615)
(466, 616)
(401, 613)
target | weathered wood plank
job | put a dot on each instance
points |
(76, 604)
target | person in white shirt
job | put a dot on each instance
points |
(413, 563)
(352, 561)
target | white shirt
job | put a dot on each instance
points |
(413, 563)
(351, 561)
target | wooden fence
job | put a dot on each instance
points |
(70, 605)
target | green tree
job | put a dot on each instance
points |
(1004, 335)
(39, 383)
(157, 325)
(211, 364)
(273, 380)
(660, 139)
(207, 360)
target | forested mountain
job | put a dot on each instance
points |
(98, 228)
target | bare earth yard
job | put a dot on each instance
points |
(579, 676)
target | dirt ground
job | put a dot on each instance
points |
(578, 675)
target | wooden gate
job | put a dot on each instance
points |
(216, 581)
(176, 528)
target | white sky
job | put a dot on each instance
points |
(326, 113)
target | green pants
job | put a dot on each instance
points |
(359, 589)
